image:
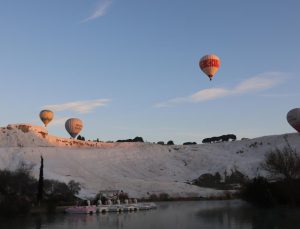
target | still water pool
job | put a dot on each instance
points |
(189, 214)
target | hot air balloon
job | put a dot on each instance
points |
(46, 116)
(210, 64)
(293, 118)
(73, 126)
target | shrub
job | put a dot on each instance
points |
(136, 139)
(59, 192)
(284, 166)
(258, 192)
(263, 193)
(17, 191)
(153, 197)
(190, 143)
(123, 196)
(283, 163)
(164, 196)
(170, 142)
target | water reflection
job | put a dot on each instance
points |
(194, 214)
(233, 214)
(38, 223)
(237, 214)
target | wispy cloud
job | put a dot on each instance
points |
(58, 121)
(79, 106)
(281, 95)
(257, 83)
(209, 94)
(260, 82)
(99, 11)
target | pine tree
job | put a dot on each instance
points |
(41, 182)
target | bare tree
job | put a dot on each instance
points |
(283, 163)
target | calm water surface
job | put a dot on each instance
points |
(195, 214)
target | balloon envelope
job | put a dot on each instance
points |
(293, 118)
(46, 116)
(74, 126)
(210, 64)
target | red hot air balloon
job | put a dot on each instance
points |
(293, 118)
(210, 64)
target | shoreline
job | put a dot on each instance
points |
(61, 209)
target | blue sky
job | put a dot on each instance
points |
(130, 68)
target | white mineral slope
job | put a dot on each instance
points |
(139, 169)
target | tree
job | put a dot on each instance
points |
(138, 139)
(283, 163)
(74, 187)
(189, 143)
(170, 142)
(17, 192)
(41, 182)
(81, 138)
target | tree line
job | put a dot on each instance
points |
(222, 138)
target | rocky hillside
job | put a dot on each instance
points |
(141, 169)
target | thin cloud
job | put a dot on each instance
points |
(209, 94)
(257, 83)
(260, 82)
(59, 121)
(99, 11)
(79, 106)
(172, 102)
(282, 95)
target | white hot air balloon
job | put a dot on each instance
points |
(73, 126)
(293, 118)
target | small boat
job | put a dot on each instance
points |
(116, 208)
(102, 208)
(152, 205)
(81, 210)
(146, 206)
(130, 207)
(143, 206)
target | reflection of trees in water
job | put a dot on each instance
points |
(38, 223)
(15, 223)
(251, 217)
(79, 220)
(176, 215)
(112, 220)
(230, 216)
(40, 220)
(167, 205)
(286, 218)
